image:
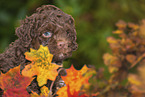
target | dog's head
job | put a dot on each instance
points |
(51, 27)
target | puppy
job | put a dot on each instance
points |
(49, 26)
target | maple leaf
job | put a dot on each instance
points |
(14, 84)
(75, 79)
(66, 92)
(41, 65)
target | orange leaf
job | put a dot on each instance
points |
(133, 26)
(66, 92)
(14, 84)
(121, 24)
(131, 58)
(75, 79)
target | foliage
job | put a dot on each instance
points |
(15, 84)
(128, 54)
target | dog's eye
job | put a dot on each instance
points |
(47, 34)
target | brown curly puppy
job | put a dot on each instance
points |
(49, 26)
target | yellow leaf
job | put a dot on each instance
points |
(111, 40)
(133, 79)
(44, 93)
(112, 69)
(137, 81)
(112, 62)
(118, 32)
(41, 55)
(142, 29)
(41, 65)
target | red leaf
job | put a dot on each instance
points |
(14, 84)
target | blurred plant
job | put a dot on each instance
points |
(128, 53)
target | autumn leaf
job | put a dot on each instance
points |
(142, 29)
(133, 26)
(137, 81)
(118, 32)
(41, 56)
(131, 58)
(75, 93)
(66, 92)
(75, 79)
(112, 62)
(44, 93)
(62, 92)
(121, 24)
(41, 65)
(14, 84)
(112, 40)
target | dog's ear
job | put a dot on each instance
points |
(24, 32)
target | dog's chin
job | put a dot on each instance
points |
(61, 57)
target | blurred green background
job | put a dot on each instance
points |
(94, 19)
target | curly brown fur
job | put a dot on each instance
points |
(47, 18)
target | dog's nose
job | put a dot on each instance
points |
(62, 44)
